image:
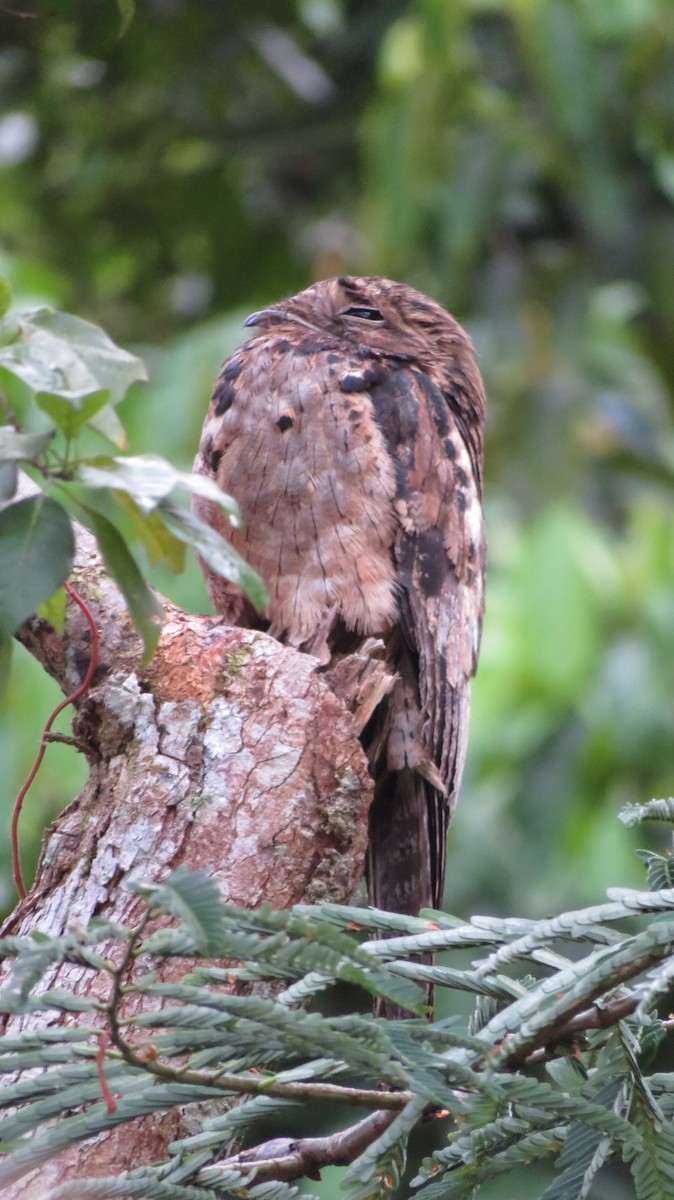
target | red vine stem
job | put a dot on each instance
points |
(83, 687)
(103, 1041)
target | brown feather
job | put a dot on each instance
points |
(353, 443)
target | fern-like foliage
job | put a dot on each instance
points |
(555, 1064)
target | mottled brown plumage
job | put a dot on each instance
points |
(349, 429)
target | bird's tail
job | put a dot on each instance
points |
(399, 871)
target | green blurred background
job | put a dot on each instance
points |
(515, 159)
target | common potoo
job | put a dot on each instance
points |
(349, 429)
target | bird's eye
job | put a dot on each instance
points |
(363, 313)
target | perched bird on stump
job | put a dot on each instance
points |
(349, 429)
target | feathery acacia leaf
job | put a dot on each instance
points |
(208, 1041)
(193, 897)
(654, 810)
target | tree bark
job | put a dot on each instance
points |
(227, 752)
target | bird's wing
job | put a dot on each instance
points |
(439, 552)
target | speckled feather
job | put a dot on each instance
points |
(349, 429)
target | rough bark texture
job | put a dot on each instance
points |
(228, 752)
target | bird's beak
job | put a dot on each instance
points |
(265, 314)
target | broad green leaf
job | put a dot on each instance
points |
(218, 553)
(127, 10)
(159, 543)
(72, 413)
(64, 356)
(146, 611)
(559, 633)
(150, 479)
(9, 330)
(84, 352)
(53, 610)
(15, 446)
(106, 422)
(5, 296)
(16, 393)
(9, 480)
(36, 557)
(6, 647)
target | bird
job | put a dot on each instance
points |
(349, 428)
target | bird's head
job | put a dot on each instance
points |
(374, 316)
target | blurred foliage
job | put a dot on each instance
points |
(518, 162)
(515, 159)
(183, 166)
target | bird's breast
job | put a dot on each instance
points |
(306, 461)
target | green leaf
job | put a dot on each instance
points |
(652, 1163)
(585, 1152)
(659, 870)
(107, 423)
(16, 446)
(53, 610)
(65, 356)
(311, 945)
(36, 955)
(9, 480)
(66, 1087)
(463, 1184)
(654, 810)
(559, 631)
(70, 413)
(192, 896)
(139, 1099)
(5, 296)
(385, 1156)
(159, 543)
(6, 647)
(36, 556)
(218, 553)
(127, 11)
(150, 480)
(146, 611)
(143, 1184)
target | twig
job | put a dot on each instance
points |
(64, 739)
(110, 1102)
(252, 1085)
(596, 1017)
(600, 1016)
(242, 1085)
(287, 1159)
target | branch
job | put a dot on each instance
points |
(227, 752)
(247, 1085)
(287, 1159)
(600, 1016)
